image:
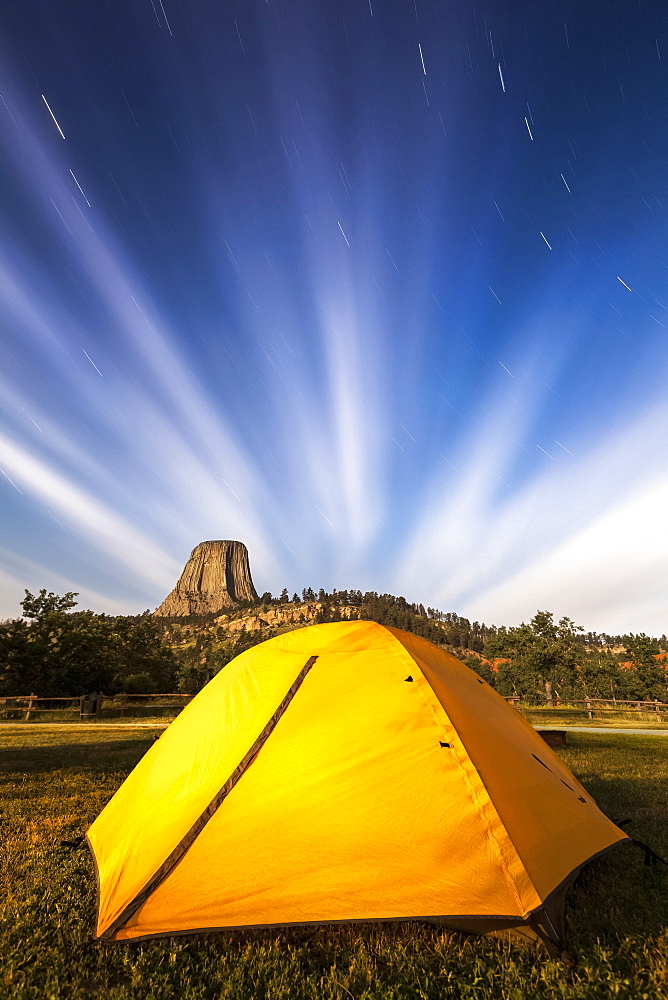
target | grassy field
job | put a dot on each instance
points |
(53, 783)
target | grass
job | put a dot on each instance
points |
(53, 784)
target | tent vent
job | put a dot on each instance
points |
(444, 744)
(409, 678)
(542, 762)
(480, 680)
(580, 799)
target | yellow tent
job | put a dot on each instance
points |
(344, 772)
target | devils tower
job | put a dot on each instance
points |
(217, 575)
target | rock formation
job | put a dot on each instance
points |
(278, 615)
(216, 576)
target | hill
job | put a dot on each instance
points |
(538, 662)
(204, 644)
(53, 651)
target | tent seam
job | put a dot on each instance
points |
(472, 793)
(196, 828)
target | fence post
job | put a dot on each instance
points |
(31, 698)
(88, 705)
(590, 714)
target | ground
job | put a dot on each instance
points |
(53, 784)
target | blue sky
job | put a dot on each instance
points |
(380, 289)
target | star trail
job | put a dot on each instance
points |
(380, 290)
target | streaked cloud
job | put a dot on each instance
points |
(288, 295)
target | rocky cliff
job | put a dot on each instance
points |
(217, 575)
(277, 616)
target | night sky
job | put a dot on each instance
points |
(377, 287)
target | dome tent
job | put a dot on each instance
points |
(345, 772)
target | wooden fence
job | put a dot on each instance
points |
(599, 707)
(31, 707)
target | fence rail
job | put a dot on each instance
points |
(597, 707)
(96, 706)
(92, 706)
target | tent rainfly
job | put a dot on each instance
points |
(345, 772)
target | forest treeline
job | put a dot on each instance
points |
(53, 650)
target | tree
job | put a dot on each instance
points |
(650, 675)
(143, 662)
(481, 668)
(54, 651)
(599, 675)
(542, 657)
(44, 604)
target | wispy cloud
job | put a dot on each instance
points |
(606, 575)
(567, 538)
(278, 325)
